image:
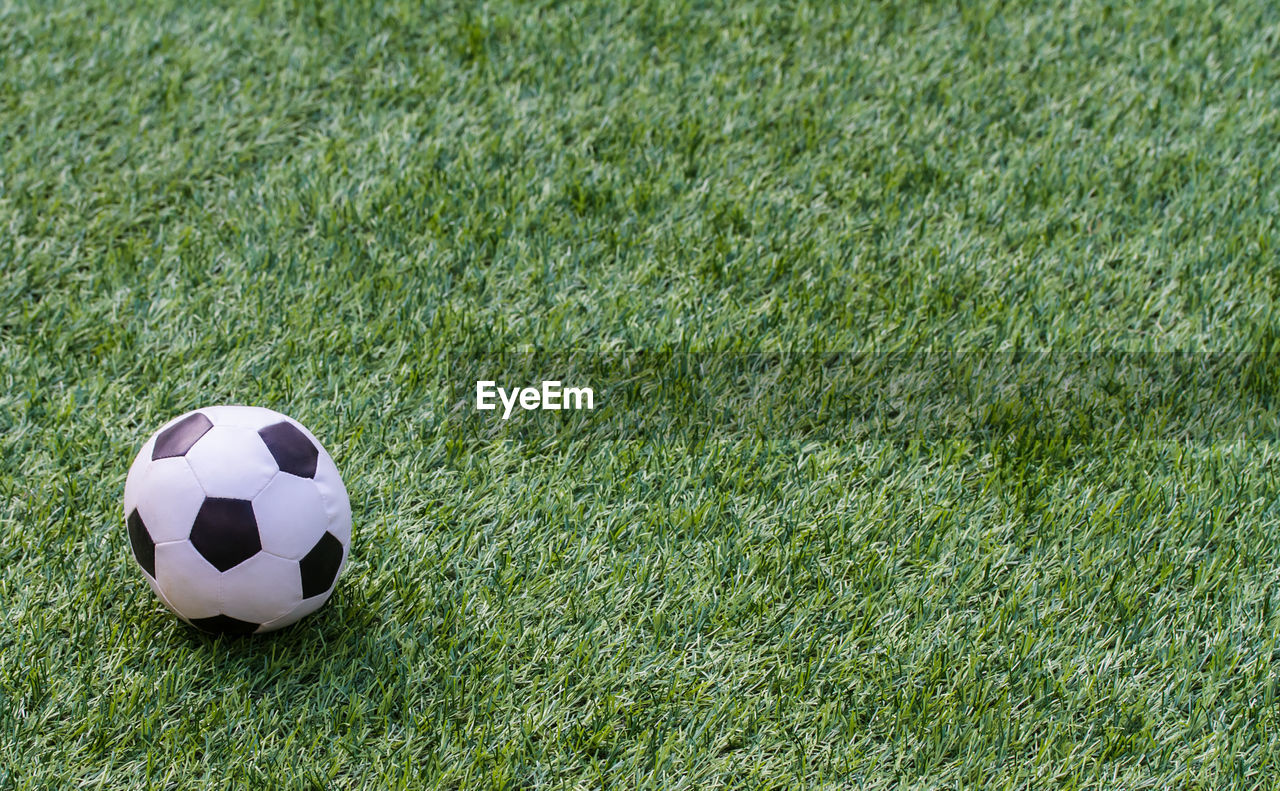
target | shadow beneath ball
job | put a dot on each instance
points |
(344, 646)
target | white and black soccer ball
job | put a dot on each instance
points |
(238, 517)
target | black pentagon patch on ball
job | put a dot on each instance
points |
(225, 532)
(293, 452)
(224, 624)
(178, 438)
(144, 549)
(320, 566)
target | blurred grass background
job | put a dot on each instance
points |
(324, 207)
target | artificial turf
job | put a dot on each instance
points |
(935, 347)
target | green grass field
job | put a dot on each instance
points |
(932, 564)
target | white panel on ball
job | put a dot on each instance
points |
(291, 516)
(192, 587)
(237, 415)
(168, 498)
(231, 462)
(334, 495)
(133, 480)
(262, 588)
(304, 609)
(159, 593)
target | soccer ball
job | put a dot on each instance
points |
(238, 518)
